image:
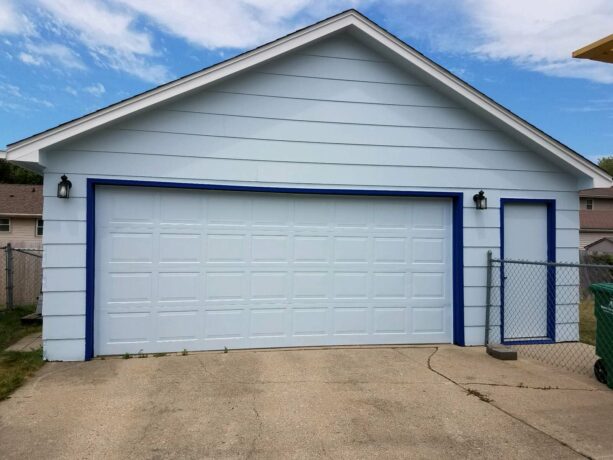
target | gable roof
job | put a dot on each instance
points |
(26, 151)
(21, 200)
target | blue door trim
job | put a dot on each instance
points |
(551, 270)
(457, 237)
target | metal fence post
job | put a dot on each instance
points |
(9, 276)
(488, 297)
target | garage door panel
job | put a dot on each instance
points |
(179, 287)
(312, 321)
(225, 285)
(128, 327)
(429, 250)
(225, 323)
(312, 213)
(227, 209)
(269, 285)
(180, 208)
(430, 214)
(268, 322)
(389, 285)
(351, 320)
(428, 286)
(130, 247)
(180, 248)
(269, 248)
(348, 249)
(201, 270)
(226, 248)
(128, 288)
(389, 250)
(311, 285)
(428, 320)
(390, 320)
(178, 325)
(311, 249)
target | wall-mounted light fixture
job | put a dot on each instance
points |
(480, 200)
(63, 187)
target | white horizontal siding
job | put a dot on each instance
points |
(64, 303)
(63, 279)
(64, 349)
(348, 175)
(565, 200)
(341, 46)
(64, 255)
(335, 115)
(64, 327)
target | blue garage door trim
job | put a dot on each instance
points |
(551, 270)
(457, 238)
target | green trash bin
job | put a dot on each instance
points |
(603, 310)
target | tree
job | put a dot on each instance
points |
(606, 163)
(11, 174)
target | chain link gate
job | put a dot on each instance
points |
(545, 310)
(20, 276)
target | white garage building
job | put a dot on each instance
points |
(317, 190)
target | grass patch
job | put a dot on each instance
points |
(11, 329)
(587, 322)
(16, 366)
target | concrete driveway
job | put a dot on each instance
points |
(388, 402)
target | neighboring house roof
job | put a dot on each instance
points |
(21, 200)
(598, 242)
(602, 192)
(600, 50)
(596, 220)
(26, 152)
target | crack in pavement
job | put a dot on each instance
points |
(491, 403)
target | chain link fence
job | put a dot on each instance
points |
(545, 311)
(20, 276)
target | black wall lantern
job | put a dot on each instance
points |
(480, 200)
(63, 188)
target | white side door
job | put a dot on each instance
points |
(525, 238)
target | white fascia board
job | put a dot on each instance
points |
(179, 87)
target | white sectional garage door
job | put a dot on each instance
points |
(198, 270)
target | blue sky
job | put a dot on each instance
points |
(60, 59)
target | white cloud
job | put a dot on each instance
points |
(12, 98)
(97, 89)
(541, 35)
(110, 36)
(55, 53)
(123, 34)
(27, 58)
(238, 24)
(13, 22)
(99, 26)
(214, 24)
